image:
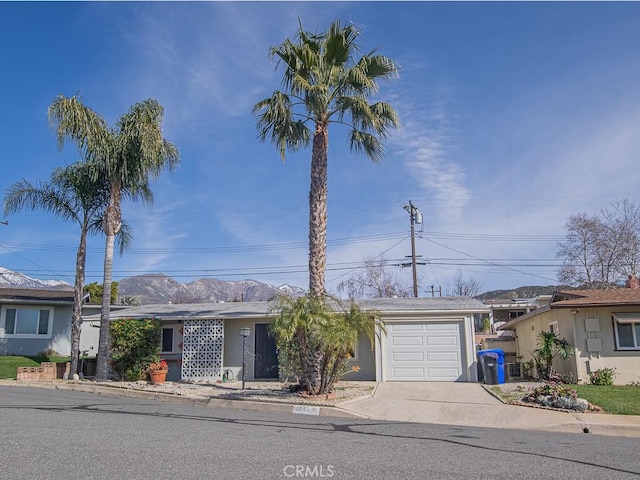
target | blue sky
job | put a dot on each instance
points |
(514, 117)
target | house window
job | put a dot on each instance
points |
(354, 353)
(553, 327)
(27, 322)
(167, 340)
(627, 331)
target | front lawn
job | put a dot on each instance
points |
(9, 364)
(617, 399)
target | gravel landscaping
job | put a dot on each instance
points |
(258, 392)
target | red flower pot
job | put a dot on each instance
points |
(158, 377)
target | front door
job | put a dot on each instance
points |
(266, 361)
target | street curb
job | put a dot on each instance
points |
(211, 402)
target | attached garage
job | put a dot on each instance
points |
(424, 351)
(426, 339)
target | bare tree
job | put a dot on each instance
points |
(623, 222)
(375, 279)
(464, 287)
(600, 251)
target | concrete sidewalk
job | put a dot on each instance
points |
(469, 404)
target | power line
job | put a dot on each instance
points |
(36, 264)
(297, 245)
(489, 262)
(362, 265)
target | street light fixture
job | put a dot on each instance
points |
(244, 332)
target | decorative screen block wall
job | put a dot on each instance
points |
(202, 349)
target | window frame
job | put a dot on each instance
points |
(635, 333)
(18, 308)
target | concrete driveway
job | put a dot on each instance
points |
(457, 404)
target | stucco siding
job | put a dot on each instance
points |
(594, 349)
(626, 362)
(232, 359)
(59, 339)
(364, 360)
(528, 333)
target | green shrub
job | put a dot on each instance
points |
(569, 378)
(49, 352)
(603, 376)
(135, 343)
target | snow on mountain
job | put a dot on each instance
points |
(11, 279)
(159, 288)
(287, 289)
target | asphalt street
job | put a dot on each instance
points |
(51, 434)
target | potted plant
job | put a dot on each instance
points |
(158, 371)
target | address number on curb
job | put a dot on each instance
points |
(306, 410)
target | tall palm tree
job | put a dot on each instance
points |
(74, 194)
(127, 155)
(325, 84)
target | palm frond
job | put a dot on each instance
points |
(73, 121)
(275, 121)
(124, 238)
(370, 145)
(24, 195)
(339, 45)
(141, 149)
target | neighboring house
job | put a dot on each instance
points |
(501, 311)
(35, 320)
(427, 339)
(90, 333)
(602, 325)
(504, 310)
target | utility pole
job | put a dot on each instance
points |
(416, 217)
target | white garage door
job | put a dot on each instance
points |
(425, 351)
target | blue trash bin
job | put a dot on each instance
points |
(492, 365)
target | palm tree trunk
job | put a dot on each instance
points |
(104, 344)
(112, 225)
(78, 294)
(311, 381)
(318, 211)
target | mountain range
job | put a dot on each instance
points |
(161, 289)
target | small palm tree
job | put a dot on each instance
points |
(73, 194)
(318, 335)
(550, 346)
(324, 84)
(127, 156)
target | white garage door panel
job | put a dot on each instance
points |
(408, 374)
(441, 327)
(402, 340)
(407, 327)
(443, 357)
(443, 374)
(448, 340)
(408, 357)
(424, 351)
